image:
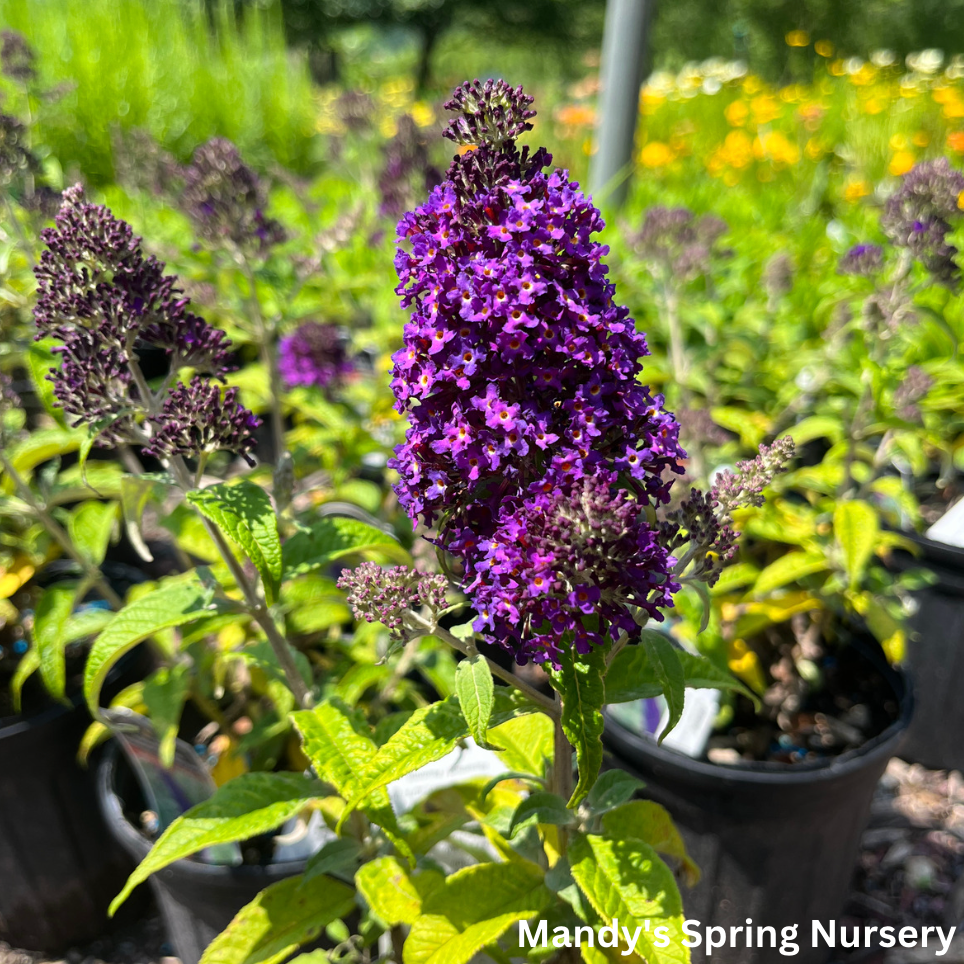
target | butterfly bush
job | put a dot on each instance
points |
(103, 301)
(314, 355)
(532, 447)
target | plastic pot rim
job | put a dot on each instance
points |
(616, 736)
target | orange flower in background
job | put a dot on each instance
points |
(656, 154)
(955, 141)
(855, 189)
(576, 115)
(901, 163)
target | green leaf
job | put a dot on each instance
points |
(526, 743)
(165, 691)
(580, 683)
(473, 909)
(86, 622)
(40, 361)
(648, 821)
(136, 491)
(337, 740)
(173, 603)
(612, 789)
(333, 537)
(541, 807)
(426, 736)
(389, 891)
(49, 625)
(90, 527)
(336, 857)
(632, 676)
(789, 568)
(475, 689)
(816, 426)
(28, 665)
(664, 658)
(282, 918)
(856, 524)
(244, 807)
(624, 878)
(244, 513)
(41, 445)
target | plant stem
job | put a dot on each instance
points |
(425, 628)
(56, 530)
(561, 765)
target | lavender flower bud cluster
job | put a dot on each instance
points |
(862, 260)
(103, 300)
(380, 595)
(17, 57)
(678, 241)
(519, 376)
(225, 199)
(314, 355)
(916, 384)
(920, 213)
(405, 160)
(705, 522)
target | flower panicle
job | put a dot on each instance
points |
(492, 114)
(380, 595)
(744, 487)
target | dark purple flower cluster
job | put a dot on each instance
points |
(678, 241)
(519, 372)
(103, 300)
(380, 595)
(314, 355)
(405, 162)
(225, 199)
(16, 158)
(863, 260)
(17, 57)
(920, 214)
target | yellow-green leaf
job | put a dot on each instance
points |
(789, 568)
(855, 525)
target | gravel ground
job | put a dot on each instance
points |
(910, 871)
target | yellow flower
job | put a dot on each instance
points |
(824, 48)
(656, 154)
(650, 101)
(775, 147)
(921, 139)
(960, 200)
(855, 189)
(953, 110)
(765, 109)
(872, 105)
(752, 84)
(897, 142)
(837, 68)
(736, 113)
(798, 38)
(736, 150)
(901, 163)
(864, 76)
(422, 114)
(814, 149)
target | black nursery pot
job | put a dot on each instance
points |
(59, 865)
(935, 660)
(197, 900)
(775, 842)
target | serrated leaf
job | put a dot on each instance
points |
(541, 807)
(664, 658)
(580, 683)
(282, 918)
(474, 908)
(334, 537)
(612, 789)
(90, 527)
(855, 525)
(526, 743)
(631, 676)
(173, 603)
(49, 625)
(164, 693)
(246, 806)
(426, 736)
(475, 689)
(789, 568)
(389, 891)
(337, 740)
(624, 878)
(244, 513)
(648, 821)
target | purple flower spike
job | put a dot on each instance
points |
(225, 199)
(492, 114)
(863, 260)
(16, 159)
(17, 57)
(519, 375)
(314, 356)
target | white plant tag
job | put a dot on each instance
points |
(459, 766)
(700, 709)
(949, 528)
